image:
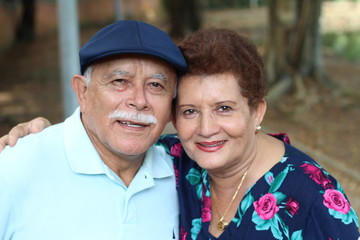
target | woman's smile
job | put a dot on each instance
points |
(210, 146)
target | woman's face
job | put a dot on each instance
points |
(214, 121)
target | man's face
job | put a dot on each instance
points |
(133, 84)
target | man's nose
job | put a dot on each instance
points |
(138, 99)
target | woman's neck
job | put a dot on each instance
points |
(224, 184)
(227, 190)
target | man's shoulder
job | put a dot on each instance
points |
(33, 146)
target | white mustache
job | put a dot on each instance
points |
(131, 116)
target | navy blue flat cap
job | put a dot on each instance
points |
(131, 37)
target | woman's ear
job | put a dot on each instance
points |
(260, 112)
(79, 86)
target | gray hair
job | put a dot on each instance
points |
(87, 75)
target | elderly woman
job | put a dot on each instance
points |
(244, 184)
(233, 181)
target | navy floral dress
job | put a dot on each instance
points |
(297, 199)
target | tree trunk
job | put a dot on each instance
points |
(294, 49)
(184, 16)
(25, 31)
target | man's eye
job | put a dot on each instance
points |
(120, 81)
(156, 85)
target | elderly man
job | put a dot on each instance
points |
(97, 175)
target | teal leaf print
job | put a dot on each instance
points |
(204, 175)
(354, 216)
(193, 176)
(261, 224)
(279, 196)
(283, 159)
(339, 215)
(297, 235)
(283, 226)
(237, 221)
(196, 227)
(278, 180)
(272, 224)
(246, 203)
(339, 188)
(345, 218)
(269, 177)
(198, 189)
(275, 230)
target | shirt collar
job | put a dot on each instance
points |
(158, 163)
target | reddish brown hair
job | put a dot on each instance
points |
(216, 50)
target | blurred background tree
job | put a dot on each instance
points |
(184, 16)
(25, 31)
(293, 54)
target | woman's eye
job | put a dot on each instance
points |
(224, 108)
(189, 111)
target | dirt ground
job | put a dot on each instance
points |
(327, 128)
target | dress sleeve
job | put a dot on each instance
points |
(332, 218)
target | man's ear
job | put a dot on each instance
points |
(79, 86)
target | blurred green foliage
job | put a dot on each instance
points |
(346, 45)
(341, 0)
(219, 4)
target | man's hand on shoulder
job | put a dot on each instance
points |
(23, 129)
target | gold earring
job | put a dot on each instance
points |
(258, 129)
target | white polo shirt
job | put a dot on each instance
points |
(54, 185)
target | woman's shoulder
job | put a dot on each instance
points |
(304, 191)
(305, 170)
(300, 175)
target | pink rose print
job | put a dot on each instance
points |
(205, 211)
(266, 206)
(176, 150)
(317, 175)
(334, 199)
(183, 234)
(292, 206)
